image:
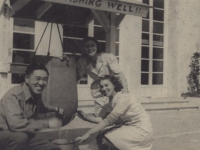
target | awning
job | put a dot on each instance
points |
(2, 3)
(73, 12)
(109, 13)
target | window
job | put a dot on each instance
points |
(100, 35)
(72, 43)
(152, 49)
(23, 45)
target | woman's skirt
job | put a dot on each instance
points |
(129, 137)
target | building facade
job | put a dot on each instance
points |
(153, 52)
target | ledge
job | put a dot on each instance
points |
(18, 68)
(4, 67)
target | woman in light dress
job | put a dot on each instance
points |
(126, 126)
(97, 64)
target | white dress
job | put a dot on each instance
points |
(136, 131)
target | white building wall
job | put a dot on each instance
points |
(4, 53)
(6, 31)
(55, 49)
(130, 51)
(130, 60)
(184, 40)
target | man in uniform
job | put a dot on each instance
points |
(19, 109)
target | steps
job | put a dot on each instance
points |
(170, 106)
(149, 104)
(165, 104)
(169, 121)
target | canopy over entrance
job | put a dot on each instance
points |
(73, 12)
(109, 13)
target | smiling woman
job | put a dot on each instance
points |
(90, 48)
(127, 125)
(109, 86)
(97, 64)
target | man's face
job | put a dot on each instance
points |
(37, 81)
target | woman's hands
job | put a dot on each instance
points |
(82, 115)
(82, 138)
(99, 127)
(88, 117)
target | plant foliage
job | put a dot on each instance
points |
(193, 77)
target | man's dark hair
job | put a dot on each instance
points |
(35, 66)
(118, 86)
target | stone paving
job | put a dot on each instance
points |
(176, 130)
(173, 130)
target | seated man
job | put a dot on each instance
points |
(19, 108)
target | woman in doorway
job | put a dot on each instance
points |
(98, 64)
(133, 130)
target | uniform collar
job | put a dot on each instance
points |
(27, 92)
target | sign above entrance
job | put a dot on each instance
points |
(136, 8)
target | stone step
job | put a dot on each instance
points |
(170, 106)
(164, 102)
(152, 106)
(90, 103)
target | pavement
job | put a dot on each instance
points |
(173, 130)
(176, 130)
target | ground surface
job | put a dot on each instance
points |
(173, 130)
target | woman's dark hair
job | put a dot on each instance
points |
(35, 66)
(114, 81)
(88, 38)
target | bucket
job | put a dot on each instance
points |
(66, 144)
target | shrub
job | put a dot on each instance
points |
(193, 77)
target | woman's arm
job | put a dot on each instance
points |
(114, 67)
(88, 117)
(93, 119)
(110, 120)
(100, 126)
(120, 107)
(94, 130)
(121, 78)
